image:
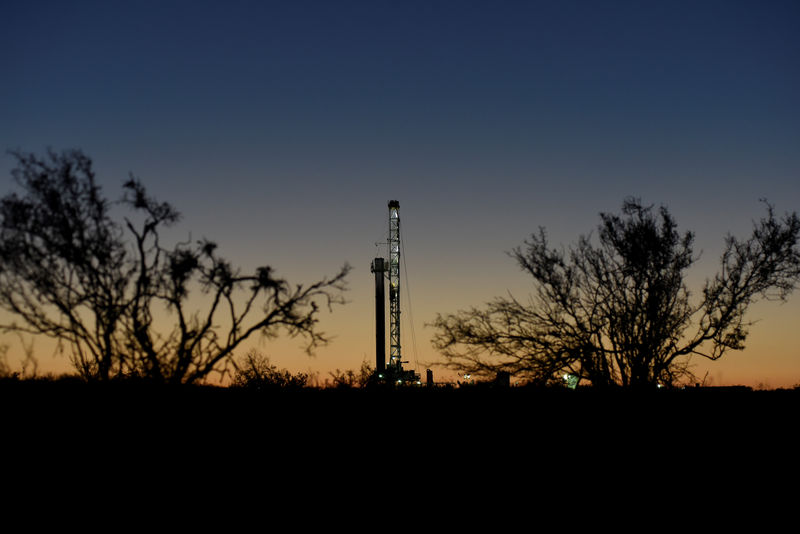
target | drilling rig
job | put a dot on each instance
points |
(393, 372)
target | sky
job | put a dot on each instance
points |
(281, 129)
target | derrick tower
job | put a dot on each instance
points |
(395, 359)
(392, 372)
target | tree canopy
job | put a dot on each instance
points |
(116, 297)
(617, 310)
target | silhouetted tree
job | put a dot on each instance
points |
(255, 371)
(619, 312)
(68, 271)
(352, 379)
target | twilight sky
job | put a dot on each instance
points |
(281, 129)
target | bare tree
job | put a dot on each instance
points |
(255, 371)
(620, 312)
(67, 271)
(365, 376)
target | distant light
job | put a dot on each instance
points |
(571, 380)
(467, 377)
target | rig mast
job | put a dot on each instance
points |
(395, 359)
(393, 371)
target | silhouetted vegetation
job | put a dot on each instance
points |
(256, 372)
(619, 312)
(364, 377)
(107, 289)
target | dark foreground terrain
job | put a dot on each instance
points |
(136, 447)
(407, 431)
(75, 406)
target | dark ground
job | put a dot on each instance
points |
(131, 407)
(465, 447)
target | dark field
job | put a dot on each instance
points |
(477, 442)
(351, 412)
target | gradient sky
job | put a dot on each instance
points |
(281, 129)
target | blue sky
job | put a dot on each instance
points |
(281, 129)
